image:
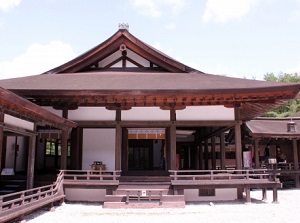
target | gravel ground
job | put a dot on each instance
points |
(287, 210)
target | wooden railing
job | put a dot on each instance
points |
(88, 175)
(20, 203)
(223, 174)
(17, 204)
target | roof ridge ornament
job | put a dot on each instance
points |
(124, 26)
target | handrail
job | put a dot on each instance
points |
(31, 199)
(88, 175)
(223, 174)
(24, 200)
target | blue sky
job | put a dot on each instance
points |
(236, 38)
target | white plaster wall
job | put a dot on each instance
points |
(91, 114)
(80, 194)
(99, 145)
(202, 113)
(8, 119)
(146, 114)
(222, 194)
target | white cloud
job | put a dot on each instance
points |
(171, 26)
(155, 8)
(37, 59)
(222, 11)
(6, 5)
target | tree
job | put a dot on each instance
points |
(290, 107)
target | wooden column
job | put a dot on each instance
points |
(1, 138)
(238, 139)
(64, 143)
(64, 149)
(238, 146)
(76, 149)
(118, 147)
(223, 151)
(31, 160)
(256, 154)
(206, 154)
(172, 138)
(213, 153)
(197, 155)
(124, 154)
(296, 162)
(200, 156)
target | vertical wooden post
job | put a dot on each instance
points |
(213, 153)
(200, 156)
(1, 137)
(256, 154)
(223, 151)
(64, 149)
(275, 195)
(118, 145)
(64, 143)
(247, 190)
(264, 194)
(296, 162)
(197, 155)
(238, 139)
(172, 138)
(206, 154)
(31, 160)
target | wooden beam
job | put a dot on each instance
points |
(256, 154)
(64, 150)
(213, 152)
(172, 154)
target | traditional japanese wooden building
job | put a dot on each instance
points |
(142, 112)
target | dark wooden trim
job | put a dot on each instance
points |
(223, 150)
(1, 140)
(118, 147)
(97, 124)
(213, 152)
(238, 140)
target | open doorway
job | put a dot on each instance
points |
(146, 154)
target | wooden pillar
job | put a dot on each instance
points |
(296, 162)
(31, 160)
(256, 154)
(64, 143)
(118, 147)
(64, 149)
(206, 154)
(200, 156)
(1, 138)
(76, 149)
(275, 195)
(238, 139)
(213, 153)
(124, 154)
(223, 151)
(197, 155)
(172, 138)
(247, 191)
(264, 194)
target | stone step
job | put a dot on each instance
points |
(153, 204)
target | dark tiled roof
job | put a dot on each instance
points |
(195, 81)
(272, 127)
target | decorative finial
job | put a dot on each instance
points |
(124, 26)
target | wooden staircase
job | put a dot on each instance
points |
(144, 192)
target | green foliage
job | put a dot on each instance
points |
(289, 107)
(282, 77)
